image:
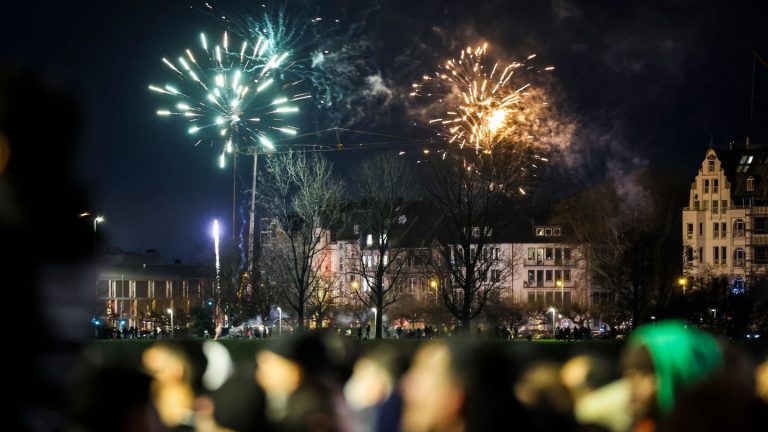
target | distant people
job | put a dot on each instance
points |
(367, 331)
(47, 247)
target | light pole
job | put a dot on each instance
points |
(553, 310)
(97, 220)
(714, 314)
(375, 315)
(559, 284)
(279, 321)
(170, 311)
(683, 281)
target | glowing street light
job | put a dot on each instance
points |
(279, 321)
(96, 221)
(170, 311)
(683, 282)
(375, 316)
(553, 310)
(559, 284)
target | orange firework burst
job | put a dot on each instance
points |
(482, 103)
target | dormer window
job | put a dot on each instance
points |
(744, 164)
(750, 184)
(711, 166)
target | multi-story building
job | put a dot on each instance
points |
(136, 290)
(725, 225)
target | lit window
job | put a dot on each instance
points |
(750, 184)
(369, 239)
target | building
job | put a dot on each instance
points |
(137, 289)
(725, 225)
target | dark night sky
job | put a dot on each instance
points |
(646, 82)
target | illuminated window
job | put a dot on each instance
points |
(750, 184)
(369, 240)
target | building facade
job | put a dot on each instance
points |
(725, 225)
(137, 290)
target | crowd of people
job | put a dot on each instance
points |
(669, 377)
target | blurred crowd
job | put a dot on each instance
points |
(670, 377)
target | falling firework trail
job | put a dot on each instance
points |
(481, 104)
(227, 94)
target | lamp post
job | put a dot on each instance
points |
(683, 281)
(559, 284)
(97, 220)
(170, 311)
(553, 310)
(375, 315)
(279, 321)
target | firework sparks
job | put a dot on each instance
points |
(228, 95)
(481, 103)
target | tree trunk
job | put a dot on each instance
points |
(379, 305)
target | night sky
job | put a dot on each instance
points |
(644, 82)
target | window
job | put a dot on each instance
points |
(738, 228)
(547, 232)
(369, 239)
(531, 277)
(701, 255)
(539, 278)
(724, 205)
(738, 257)
(715, 185)
(724, 255)
(567, 255)
(761, 225)
(151, 289)
(761, 255)
(549, 275)
(131, 290)
(112, 289)
(750, 184)
(475, 232)
(531, 254)
(706, 186)
(550, 298)
(497, 253)
(711, 166)
(356, 229)
(690, 230)
(567, 275)
(495, 275)
(556, 231)
(540, 254)
(688, 254)
(716, 255)
(558, 275)
(549, 254)
(714, 206)
(716, 229)
(558, 256)
(411, 285)
(723, 228)
(701, 228)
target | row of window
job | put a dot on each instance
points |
(720, 229)
(715, 186)
(719, 256)
(555, 255)
(539, 277)
(550, 298)
(148, 289)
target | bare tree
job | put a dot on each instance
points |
(475, 196)
(629, 241)
(383, 183)
(324, 298)
(304, 199)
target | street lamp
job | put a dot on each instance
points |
(279, 321)
(683, 281)
(714, 314)
(559, 284)
(375, 315)
(97, 220)
(170, 311)
(553, 310)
